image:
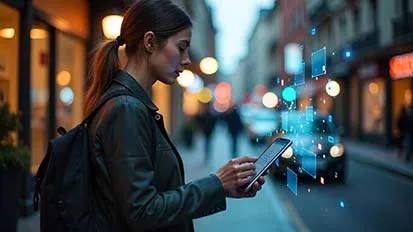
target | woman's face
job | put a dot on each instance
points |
(169, 60)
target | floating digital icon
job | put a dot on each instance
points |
(309, 162)
(292, 181)
(318, 63)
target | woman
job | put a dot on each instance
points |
(138, 176)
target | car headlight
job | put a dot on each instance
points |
(337, 150)
(288, 153)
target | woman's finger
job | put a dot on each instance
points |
(261, 180)
(245, 159)
(246, 167)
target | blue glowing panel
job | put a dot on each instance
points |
(318, 62)
(292, 181)
(309, 163)
(309, 114)
(299, 78)
(284, 120)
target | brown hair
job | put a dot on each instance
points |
(163, 17)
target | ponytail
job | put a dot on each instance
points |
(102, 70)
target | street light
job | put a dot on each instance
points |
(209, 65)
(111, 26)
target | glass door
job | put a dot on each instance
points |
(39, 92)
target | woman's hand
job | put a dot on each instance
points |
(237, 173)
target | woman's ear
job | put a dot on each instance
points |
(149, 41)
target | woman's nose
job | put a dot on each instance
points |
(186, 61)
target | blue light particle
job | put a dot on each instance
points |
(289, 94)
(342, 204)
(348, 54)
(313, 31)
(330, 118)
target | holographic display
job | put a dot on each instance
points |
(292, 181)
(309, 162)
(318, 63)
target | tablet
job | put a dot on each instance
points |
(264, 161)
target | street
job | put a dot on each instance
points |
(371, 200)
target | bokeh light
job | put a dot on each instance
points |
(67, 96)
(63, 78)
(186, 78)
(209, 65)
(196, 86)
(289, 94)
(270, 100)
(293, 55)
(205, 95)
(223, 93)
(374, 88)
(333, 88)
(111, 25)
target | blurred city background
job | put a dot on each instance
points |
(335, 76)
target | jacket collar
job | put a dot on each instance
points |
(126, 80)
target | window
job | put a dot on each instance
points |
(69, 80)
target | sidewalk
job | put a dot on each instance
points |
(263, 213)
(378, 156)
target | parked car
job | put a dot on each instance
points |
(260, 123)
(317, 139)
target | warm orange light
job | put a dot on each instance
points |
(111, 25)
(374, 88)
(401, 66)
(63, 78)
(223, 93)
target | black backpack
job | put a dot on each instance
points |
(63, 178)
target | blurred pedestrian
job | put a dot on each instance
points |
(235, 127)
(206, 121)
(405, 125)
(138, 181)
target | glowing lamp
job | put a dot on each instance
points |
(111, 25)
(7, 33)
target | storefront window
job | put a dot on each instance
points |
(39, 92)
(374, 95)
(9, 40)
(70, 78)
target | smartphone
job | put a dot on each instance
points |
(264, 161)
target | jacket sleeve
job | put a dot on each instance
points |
(126, 139)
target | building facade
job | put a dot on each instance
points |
(44, 48)
(362, 39)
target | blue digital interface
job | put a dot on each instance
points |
(309, 114)
(318, 63)
(292, 181)
(299, 79)
(309, 162)
(284, 120)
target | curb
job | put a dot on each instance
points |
(382, 165)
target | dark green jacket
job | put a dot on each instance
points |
(137, 173)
